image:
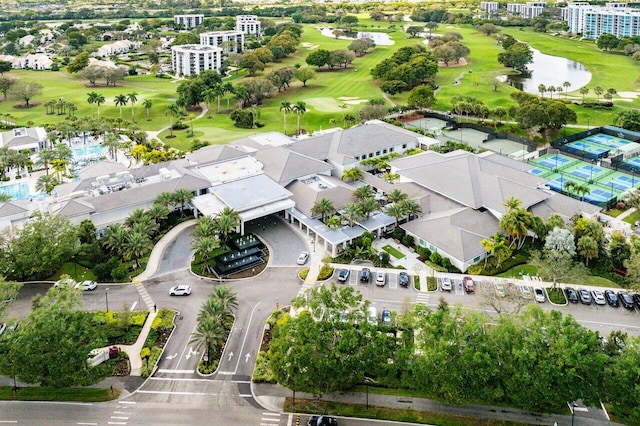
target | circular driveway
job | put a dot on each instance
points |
(284, 243)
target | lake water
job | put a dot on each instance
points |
(550, 71)
(381, 39)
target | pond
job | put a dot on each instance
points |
(550, 71)
(380, 39)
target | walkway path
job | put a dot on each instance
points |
(153, 134)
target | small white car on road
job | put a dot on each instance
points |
(302, 259)
(86, 285)
(180, 290)
(446, 284)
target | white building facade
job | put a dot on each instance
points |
(188, 21)
(248, 24)
(192, 59)
(593, 21)
(528, 10)
(230, 41)
(489, 6)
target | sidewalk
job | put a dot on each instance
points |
(272, 397)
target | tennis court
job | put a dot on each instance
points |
(553, 161)
(587, 172)
(586, 149)
(633, 164)
(607, 141)
(620, 181)
(599, 196)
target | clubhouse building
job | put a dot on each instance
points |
(461, 194)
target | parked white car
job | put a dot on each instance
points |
(86, 285)
(180, 290)
(302, 259)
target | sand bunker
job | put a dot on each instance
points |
(348, 98)
(310, 46)
(628, 94)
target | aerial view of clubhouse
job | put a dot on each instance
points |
(461, 194)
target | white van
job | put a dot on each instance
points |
(372, 315)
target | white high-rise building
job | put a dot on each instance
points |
(188, 21)
(192, 59)
(230, 41)
(248, 24)
(593, 21)
(489, 6)
(527, 10)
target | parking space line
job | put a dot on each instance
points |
(353, 278)
(393, 280)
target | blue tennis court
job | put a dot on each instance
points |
(587, 147)
(622, 183)
(598, 196)
(635, 162)
(538, 172)
(608, 141)
(557, 184)
(552, 161)
(586, 172)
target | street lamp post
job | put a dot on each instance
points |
(573, 411)
(106, 298)
(367, 380)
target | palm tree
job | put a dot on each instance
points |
(209, 334)
(182, 196)
(227, 298)
(394, 210)
(206, 227)
(99, 101)
(333, 222)
(512, 203)
(286, 108)
(120, 101)
(44, 158)
(212, 309)
(566, 85)
(158, 213)
(226, 223)
(145, 226)
(323, 207)
(410, 208)
(227, 87)
(204, 246)
(488, 246)
(352, 213)
(137, 246)
(368, 206)
(91, 98)
(542, 88)
(587, 247)
(172, 111)
(147, 104)
(112, 141)
(551, 90)
(165, 199)
(133, 98)
(46, 184)
(516, 224)
(396, 195)
(352, 174)
(299, 108)
(583, 91)
(363, 192)
(136, 216)
(115, 237)
(209, 95)
(598, 90)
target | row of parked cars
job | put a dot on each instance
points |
(607, 297)
(366, 276)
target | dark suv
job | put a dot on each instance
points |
(403, 279)
(571, 294)
(322, 421)
(625, 299)
(365, 275)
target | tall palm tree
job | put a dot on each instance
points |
(112, 142)
(182, 196)
(136, 216)
(91, 98)
(46, 183)
(542, 89)
(44, 158)
(410, 208)
(204, 246)
(165, 199)
(137, 246)
(396, 196)
(333, 222)
(227, 298)
(99, 101)
(584, 91)
(352, 174)
(172, 111)
(566, 85)
(363, 192)
(226, 224)
(368, 206)
(299, 108)
(114, 238)
(206, 227)
(512, 203)
(147, 104)
(158, 213)
(120, 101)
(227, 87)
(352, 213)
(133, 98)
(598, 90)
(208, 335)
(323, 207)
(286, 108)
(209, 95)
(395, 210)
(145, 226)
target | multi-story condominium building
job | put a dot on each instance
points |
(188, 21)
(489, 6)
(248, 24)
(230, 41)
(527, 10)
(593, 21)
(192, 59)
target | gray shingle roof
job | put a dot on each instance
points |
(305, 196)
(11, 208)
(283, 165)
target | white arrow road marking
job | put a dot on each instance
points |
(172, 356)
(230, 355)
(191, 352)
(247, 356)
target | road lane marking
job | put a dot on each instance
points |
(177, 393)
(88, 424)
(127, 402)
(119, 418)
(176, 371)
(246, 334)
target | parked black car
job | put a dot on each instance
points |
(365, 275)
(611, 297)
(322, 421)
(571, 294)
(403, 279)
(636, 298)
(625, 299)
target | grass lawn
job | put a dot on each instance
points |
(519, 271)
(556, 295)
(75, 271)
(600, 282)
(393, 251)
(38, 393)
(632, 218)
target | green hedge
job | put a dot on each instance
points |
(262, 372)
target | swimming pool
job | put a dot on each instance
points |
(16, 191)
(89, 151)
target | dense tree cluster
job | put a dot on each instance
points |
(448, 48)
(411, 65)
(534, 113)
(329, 346)
(516, 54)
(334, 58)
(630, 46)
